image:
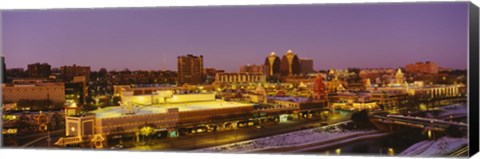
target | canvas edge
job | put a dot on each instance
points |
(473, 82)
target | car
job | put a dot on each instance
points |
(258, 126)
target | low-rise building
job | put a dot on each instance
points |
(34, 95)
(231, 78)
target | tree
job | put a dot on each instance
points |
(146, 132)
(57, 121)
(361, 119)
(24, 124)
(361, 116)
(102, 73)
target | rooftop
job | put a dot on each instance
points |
(292, 99)
(116, 111)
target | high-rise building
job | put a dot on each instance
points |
(306, 66)
(69, 72)
(83, 81)
(290, 64)
(210, 74)
(38, 70)
(251, 69)
(272, 65)
(4, 70)
(420, 67)
(190, 69)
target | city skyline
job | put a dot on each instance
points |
(229, 37)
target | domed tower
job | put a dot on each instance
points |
(262, 92)
(399, 77)
(290, 64)
(272, 64)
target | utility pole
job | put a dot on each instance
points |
(49, 139)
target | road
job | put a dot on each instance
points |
(461, 152)
(34, 140)
(204, 140)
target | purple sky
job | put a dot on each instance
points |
(335, 36)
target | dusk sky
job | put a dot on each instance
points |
(334, 36)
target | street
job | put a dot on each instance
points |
(203, 140)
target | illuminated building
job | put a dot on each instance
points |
(335, 85)
(299, 79)
(172, 117)
(30, 94)
(306, 66)
(83, 81)
(259, 95)
(190, 69)
(399, 79)
(319, 88)
(142, 77)
(389, 99)
(420, 67)
(342, 97)
(38, 70)
(75, 93)
(185, 110)
(426, 91)
(210, 74)
(290, 64)
(358, 106)
(159, 95)
(368, 83)
(69, 72)
(252, 69)
(272, 64)
(301, 106)
(240, 78)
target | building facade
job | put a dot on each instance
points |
(34, 95)
(252, 69)
(306, 66)
(240, 78)
(69, 72)
(4, 70)
(422, 67)
(38, 70)
(190, 69)
(272, 65)
(290, 64)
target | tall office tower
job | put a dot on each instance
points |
(306, 66)
(190, 69)
(69, 72)
(272, 65)
(38, 70)
(4, 70)
(290, 64)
